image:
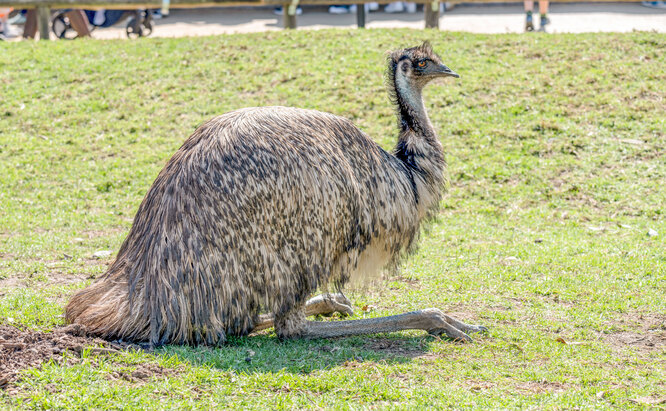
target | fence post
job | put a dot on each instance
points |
(360, 15)
(431, 11)
(43, 22)
(289, 19)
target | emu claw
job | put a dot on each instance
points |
(451, 333)
(459, 335)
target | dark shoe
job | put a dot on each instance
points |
(544, 22)
(529, 25)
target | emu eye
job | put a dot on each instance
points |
(422, 63)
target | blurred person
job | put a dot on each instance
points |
(654, 4)
(400, 7)
(6, 30)
(344, 9)
(543, 11)
(164, 10)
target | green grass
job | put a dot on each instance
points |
(556, 151)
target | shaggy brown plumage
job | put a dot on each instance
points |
(259, 208)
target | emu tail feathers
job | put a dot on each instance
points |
(105, 312)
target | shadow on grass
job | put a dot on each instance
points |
(266, 353)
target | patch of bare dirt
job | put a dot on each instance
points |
(24, 348)
(541, 387)
(9, 283)
(141, 373)
(646, 333)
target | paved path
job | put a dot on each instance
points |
(499, 18)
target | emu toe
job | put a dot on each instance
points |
(452, 333)
(450, 327)
(479, 329)
(457, 334)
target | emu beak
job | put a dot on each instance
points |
(444, 71)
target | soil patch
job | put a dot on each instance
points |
(542, 387)
(24, 348)
(647, 333)
(142, 373)
(647, 341)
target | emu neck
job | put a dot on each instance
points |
(418, 146)
(411, 110)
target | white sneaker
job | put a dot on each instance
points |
(410, 7)
(396, 7)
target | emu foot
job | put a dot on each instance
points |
(328, 304)
(431, 320)
(451, 327)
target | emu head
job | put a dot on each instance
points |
(419, 65)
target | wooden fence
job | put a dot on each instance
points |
(430, 7)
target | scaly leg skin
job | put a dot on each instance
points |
(431, 320)
(327, 304)
(324, 304)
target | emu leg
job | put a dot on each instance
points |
(327, 304)
(324, 304)
(431, 320)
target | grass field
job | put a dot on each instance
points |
(557, 164)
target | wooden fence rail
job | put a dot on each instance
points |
(430, 7)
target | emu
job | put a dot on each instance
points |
(262, 206)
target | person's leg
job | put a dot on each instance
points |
(543, 7)
(529, 7)
(543, 11)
